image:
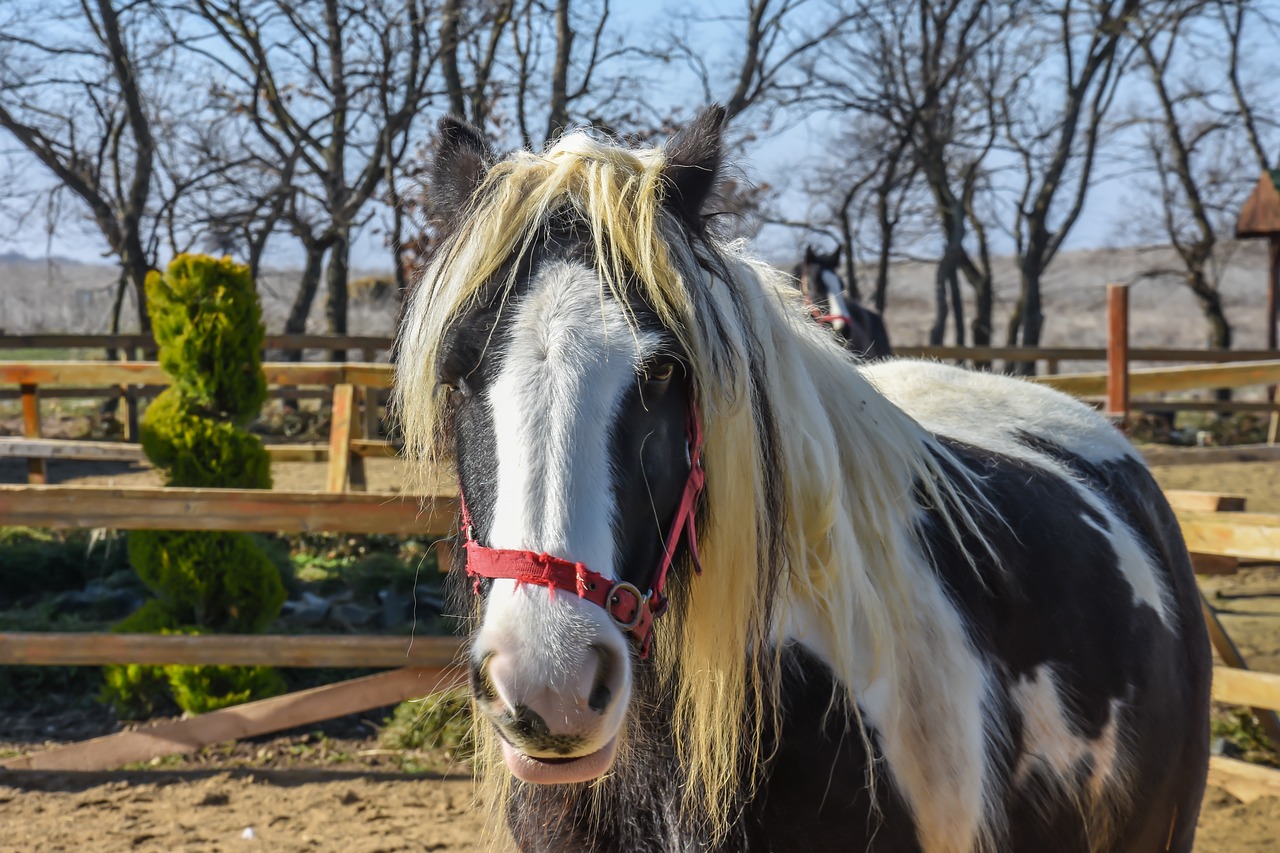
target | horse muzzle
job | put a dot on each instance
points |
(551, 675)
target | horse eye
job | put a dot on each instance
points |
(660, 372)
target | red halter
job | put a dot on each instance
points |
(633, 610)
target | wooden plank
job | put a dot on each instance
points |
(1251, 406)
(1118, 353)
(374, 447)
(1187, 500)
(224, 509)
(1242, 780)
(37, 472)
(103, 649)
(1245, 687)
(1159, 455)
(254, 718)
(340, 428)
(1251, 536)
(1154, 380)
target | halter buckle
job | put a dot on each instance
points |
(613, 599)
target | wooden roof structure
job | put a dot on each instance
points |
(1260, 216)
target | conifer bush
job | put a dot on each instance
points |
(208, 326)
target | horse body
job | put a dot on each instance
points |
(937, 611)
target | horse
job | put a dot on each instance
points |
(733, 589)
(861, 328)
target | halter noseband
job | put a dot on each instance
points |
(633, 611)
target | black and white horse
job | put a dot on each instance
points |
(862, 329)
(911, 607)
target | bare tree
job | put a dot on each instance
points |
(73, 93)
(1200, 141)
(337, 86)
(1054, 120)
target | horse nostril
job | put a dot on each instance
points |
(481, 683)
(601, 692)
(526, 723)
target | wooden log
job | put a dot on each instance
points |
(1156, 455)
(1156, 380)
(1118, 353)
(1245, 687)
(37, 473)
(105, 649)
(1250, 536)
(1242, 780)
(340, 428)
(224, 509)
(254, 718)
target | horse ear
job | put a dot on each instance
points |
(693, 164)
(460, 159)
(810, 256)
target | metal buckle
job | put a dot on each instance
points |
(640, 603)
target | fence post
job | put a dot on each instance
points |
(37, 474)
(344, 466)
(1118, 354)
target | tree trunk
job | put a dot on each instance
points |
(938, 331)
(296, 323)
(981, 325)
(957, 305)
(335, 307)
(1211, 306)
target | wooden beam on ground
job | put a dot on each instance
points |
(309, 650)
(1245, 687)
(1212, 564)
(1158, 455)
(302, 708)
(1248, 535)
(1155, 380)
(225, 509)
(1231, 656)
(1242, 780)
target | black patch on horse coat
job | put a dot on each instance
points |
(814, 796)
(1055, 596)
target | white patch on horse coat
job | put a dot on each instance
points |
(983, 409)
(568, 363)
(1050, 745)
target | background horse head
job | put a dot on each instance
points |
(862, 329)
(731, 592)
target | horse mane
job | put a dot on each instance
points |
(783, 528)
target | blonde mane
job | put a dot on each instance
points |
(784, 526)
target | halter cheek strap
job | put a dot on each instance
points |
(633, 611)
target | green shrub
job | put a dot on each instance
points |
(439, 721)
(41, 561)
(208, 325)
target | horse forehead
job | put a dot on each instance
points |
(568, 321)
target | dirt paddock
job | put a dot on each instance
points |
(319, 808)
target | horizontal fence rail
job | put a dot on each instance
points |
(288, 650)
(252, 510)
(58, 340)
(91, 373)
(1155, 380)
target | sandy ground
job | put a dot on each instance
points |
(319, 808)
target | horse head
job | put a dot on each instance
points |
(569, 406)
